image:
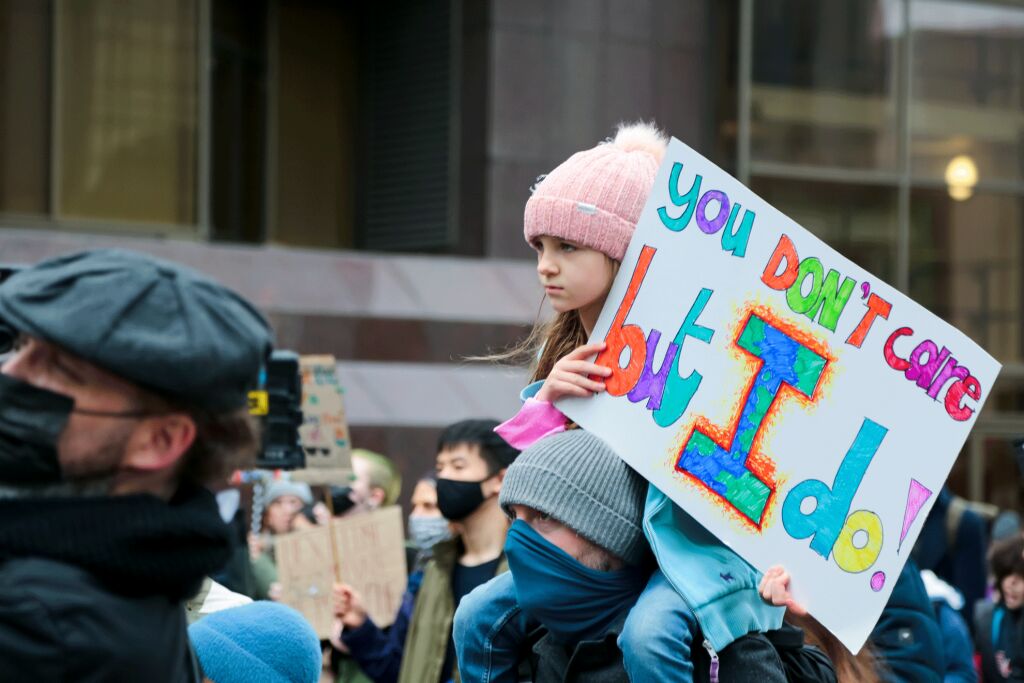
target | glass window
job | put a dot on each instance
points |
(857, 220)
(127, 110)
(238, 121)
(965, 265)
(968, 89)
(315, 125)
(824, 84)
(1002, 473)
(24, 107)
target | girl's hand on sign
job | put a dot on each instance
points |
(348, 606)
(573, 375)
(774, 590)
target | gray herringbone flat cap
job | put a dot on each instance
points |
(155, 323)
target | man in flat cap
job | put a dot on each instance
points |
(125, 395)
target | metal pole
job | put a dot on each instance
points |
(903, 104)
(204, 119)
(743, 81)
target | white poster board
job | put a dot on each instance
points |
(803, 410)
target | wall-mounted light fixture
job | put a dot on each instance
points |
(961, 177)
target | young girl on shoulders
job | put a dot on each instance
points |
(579, 220)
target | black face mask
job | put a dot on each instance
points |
(459, 499)
(31, 421)
(341, 499)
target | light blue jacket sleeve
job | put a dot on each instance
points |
(530, 390)
(714, 583)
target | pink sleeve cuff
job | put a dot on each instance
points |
(535, 420)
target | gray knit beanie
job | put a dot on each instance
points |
(284, 487)
(578, 480)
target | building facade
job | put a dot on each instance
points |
(359, 169)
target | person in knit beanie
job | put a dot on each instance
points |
(576, 547)
(262, 642)
(580, 220)
(579, 562)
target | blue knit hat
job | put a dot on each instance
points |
(262, 642)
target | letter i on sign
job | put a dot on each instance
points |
(723, 467)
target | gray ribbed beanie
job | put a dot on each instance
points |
(578, 480)
(285, 487)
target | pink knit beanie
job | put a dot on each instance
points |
(595, 197)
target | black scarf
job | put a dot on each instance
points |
(135, 544)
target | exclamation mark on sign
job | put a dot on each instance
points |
(917, 496)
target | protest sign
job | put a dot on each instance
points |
(801, 409)
(305, 569)
(324, 431)
(369, 552)
(371, 558)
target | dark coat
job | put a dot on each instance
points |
(907, 637)
(952, 543)
(58, 623)
(999, 629)
(752, 658)
(92, 588)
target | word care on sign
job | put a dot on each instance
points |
(370, 553)
(801, 409)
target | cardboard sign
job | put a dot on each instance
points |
(800, 408)
(324, 431)
(370, 552)
(305, 568)
(371, 558)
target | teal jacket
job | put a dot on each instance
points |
(723, 596)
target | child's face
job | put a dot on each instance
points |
(1012, 590)
(574, 277)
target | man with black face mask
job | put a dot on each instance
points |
(471, 463)
(125, 395)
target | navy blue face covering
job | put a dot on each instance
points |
(573, 601)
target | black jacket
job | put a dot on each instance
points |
(907, 638)
(91, 589)
(753, 658)
(1007, 642)
(59, 623)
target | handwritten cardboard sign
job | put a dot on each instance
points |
(800, 408)
(305, 568)
(371, 557)
(370, 552)
(324, 432)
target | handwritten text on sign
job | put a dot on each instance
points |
(369, 549)
(803, 411)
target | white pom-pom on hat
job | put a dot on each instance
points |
(641, 136)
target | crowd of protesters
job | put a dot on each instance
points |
(535, 553)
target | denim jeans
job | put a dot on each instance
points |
(490, 628)
(657, 638)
